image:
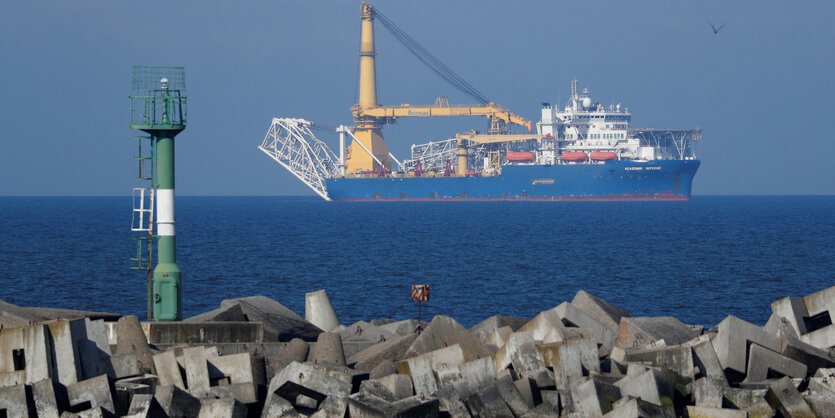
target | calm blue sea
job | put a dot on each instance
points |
(699, 261)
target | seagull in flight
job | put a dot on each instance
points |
(715, 29)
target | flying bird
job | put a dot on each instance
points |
(715, 29)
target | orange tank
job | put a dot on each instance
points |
(603, 156)
(574, 156)
(520, 157)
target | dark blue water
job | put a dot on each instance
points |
(698, 261)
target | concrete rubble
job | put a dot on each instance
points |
(254, 357)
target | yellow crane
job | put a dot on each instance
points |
(369, 116)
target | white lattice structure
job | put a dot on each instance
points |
(291, 143)
(433, 155)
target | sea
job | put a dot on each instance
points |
(699, 261)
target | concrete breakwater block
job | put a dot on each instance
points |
(131, 339)
(603, 312)
(732, 341)
(319, 311)
(328, 349)
(92, 393)
(203, 332)
(391, 350)
(493, 323)
(642, 331)
(730, 370)
(784, 398)
(594, 397)
(221, 408)
(280, 323)
(13, 402)
(444, 331)
(296, 350)
(810, 316)
(177, 402)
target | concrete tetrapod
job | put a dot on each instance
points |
(319, 311)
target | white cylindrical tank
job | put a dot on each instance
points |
(319, 311)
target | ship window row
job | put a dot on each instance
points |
(598, 136)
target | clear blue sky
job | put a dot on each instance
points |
(762, 89)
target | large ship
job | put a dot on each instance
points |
(581, 151)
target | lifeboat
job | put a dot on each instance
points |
(520, 157)
(603, 156)
(574, 156)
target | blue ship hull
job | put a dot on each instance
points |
(613, 180)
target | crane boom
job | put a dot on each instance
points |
(494, 112)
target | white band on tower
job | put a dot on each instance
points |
(165, 212)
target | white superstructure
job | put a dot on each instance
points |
(586, 126)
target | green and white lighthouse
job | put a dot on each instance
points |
(158, 108)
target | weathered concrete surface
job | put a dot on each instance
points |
(498, 337)
(327, 381)
(677, 358)
(328, 349)
(280, 323)
(37, 348)
(637, 408)
(527, 360)
(475, 376)
(11, 344)
(131, 339)
(810, 316)
(542, 324)
(296, 350)
(319, 311)
(168, 370)
(450, 402)
(488, 403)
(13, 401)
(574, 317)
(231, 313)
(641, 331)
(12, 316)
(393, 350)
(602, 311)
(399, 385)
(384, 368)
(144, 405)
(444, 331)
(123, 366)
(96, 391)
(732, 341)
(197, 371)
(651, 385)
(422, 368)
(67, 359)
(177, 402)
(762, 362)
(365, 405)
(705, 358)
(376, 388)
(784, 397)
(491, 324)
(222, 408)
(708, 412)
(594, 397)
(362, 331)
(708, 392)
(49, 399)
(203, 332)
(570, 360)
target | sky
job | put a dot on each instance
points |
(761, 89)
